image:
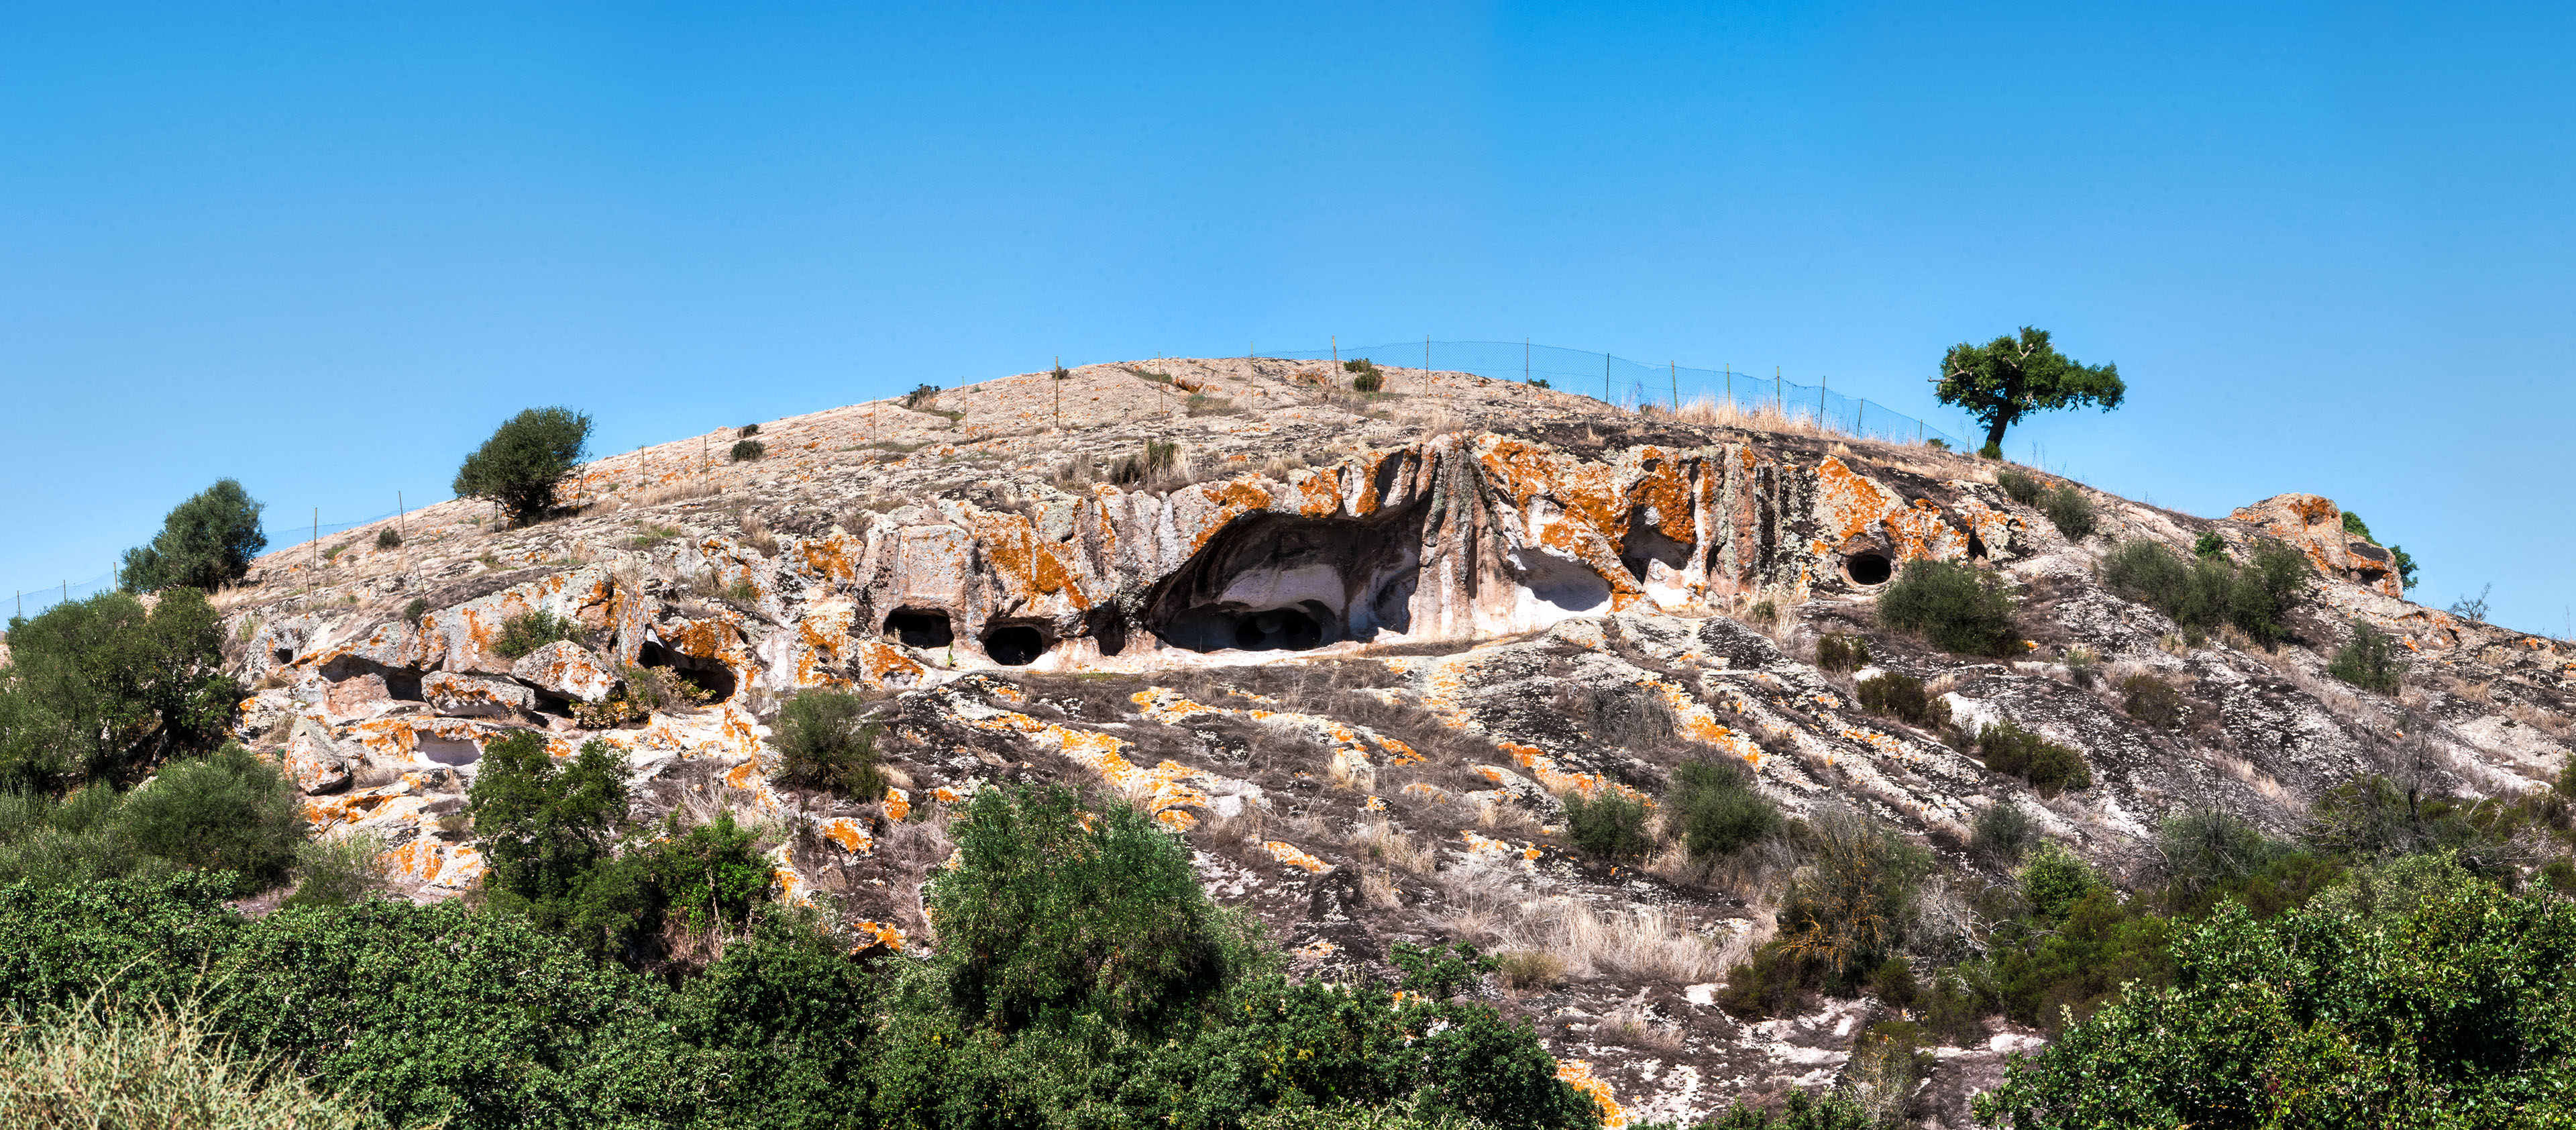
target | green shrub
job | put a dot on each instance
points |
(2454, 1015)
(437, 1013)
(205, 543)
(98, 689)
(528, 631)
(2002, 832)
(2209, 544)
(1901, 697)
(745, 451)
(526, 459)
(2372, 661)
(389, 538)
(2048, 766)
(2069, 511)
(2151, 700)
(2055, 880)
(2024, 489)
(784, 1024)
(1952, 604)
(1717, 810)
(920, 395)
(2353, 525)
(1440, 972)
(1852, 903)
(1836, 651)
(1365, 376)
(1051, 911)
(746, 431)
(548, 830)
(1157, 459)
(338, 872)
(2211, 590)
(1611, 826)
(826, 742)
(231, 810)
(707, 877)
(95, 1065)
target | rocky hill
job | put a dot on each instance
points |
(1358, 649)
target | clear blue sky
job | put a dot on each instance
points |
(325, 248)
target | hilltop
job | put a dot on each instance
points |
(1359, 650)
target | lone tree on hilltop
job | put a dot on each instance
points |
(1999, 381)
(523, 462)
(205, 543)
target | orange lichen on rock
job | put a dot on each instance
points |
(1848, 503)
(1027, 565)
(877, 934)
(1578, 1074)
(1558, 781)
(1288, 854)
(1168, 789)
(850, 834)
(897, 805)
(434, 862)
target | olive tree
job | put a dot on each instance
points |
(525, 460)
(205, 543)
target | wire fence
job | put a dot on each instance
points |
(1617, 381)
(1635, 385)
(30, 602)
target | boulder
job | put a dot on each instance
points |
(470, 696)
(313, 761)
(567, 670)
(2313, 525)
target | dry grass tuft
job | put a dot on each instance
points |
(1381, 840)
(1638, 941)
(1525, 971)
(1632, 1025)
(1379, 889)
(94, 1067)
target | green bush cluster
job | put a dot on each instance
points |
(1365, 375)
(205, 543)
(1082, 978)
(1609, 826)
(1953, 604)
(2069, 510)
(2151, 700)
(2373, 661)
(2022, 488)
(528, 631)
(825, 741)
(744, 451)
(1903, 698)
(1837, 651)
(1717, 811)
(527, 458)
(2454, 1013)
(2049, 767)
(101, 690)
(230, 813)
(2211, 590)
(1847, 910)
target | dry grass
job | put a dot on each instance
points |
(1639, 941)
(1524, 971)
(2480, 691)
(1381, 840)
(1632, 1025)
(2539, 719)
(96, 1067)
(683, 491)
(1761, 416)
(1379, 889)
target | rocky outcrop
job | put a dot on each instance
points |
(1355, 656)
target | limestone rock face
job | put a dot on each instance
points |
(567, 670)
(1356, 651)
(2314, 526)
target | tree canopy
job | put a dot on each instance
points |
(102, 689)
(525, 460)
(2005, 378)
(206, 543)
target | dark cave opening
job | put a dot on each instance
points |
(707, 675)
(1278, 582)
(1015, 645)
(1868, 567)
(919, 627)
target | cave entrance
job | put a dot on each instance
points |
(919, 627)
(1646, 545)
(706, 674)
(1281, 582)
(1015, 645)
(1868, 567)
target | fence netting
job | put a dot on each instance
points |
(1636, 385)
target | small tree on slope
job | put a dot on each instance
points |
(1999, 381)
